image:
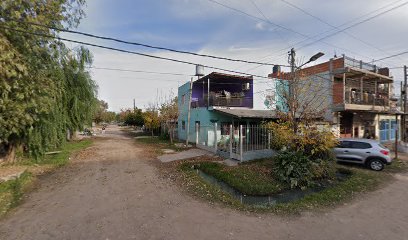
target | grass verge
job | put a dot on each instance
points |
(158, 144)
(250, 179)
(12, 191)
(254, 178)
(62, 157)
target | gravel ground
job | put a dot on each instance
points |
(113, 191)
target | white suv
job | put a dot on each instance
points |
(363, 151)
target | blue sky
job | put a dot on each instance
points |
(206, 27)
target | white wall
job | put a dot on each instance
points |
(263, 88)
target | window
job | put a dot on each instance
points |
(360, 145)
(344, 144)
(183, 99)
(183, 125)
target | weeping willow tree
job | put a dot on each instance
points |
(45, 90)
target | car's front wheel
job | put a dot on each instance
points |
(375, 164)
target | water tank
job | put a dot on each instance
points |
(199, 70)
(276, 69)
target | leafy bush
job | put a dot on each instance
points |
(293, 168)
(299, 170)
(311, 141)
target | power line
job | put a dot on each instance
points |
(255, 17)
(267, 21)
(280, 26)
(140, 44)
(344, 24)
(131, 52)
(355, 24)
(141, 71)
(392, 56)
(331, 25)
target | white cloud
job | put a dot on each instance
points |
(232, 35)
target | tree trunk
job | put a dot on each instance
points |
(171, 134)
(11, 154)
(152, 133)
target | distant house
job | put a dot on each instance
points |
(220, 105)
(358, 96)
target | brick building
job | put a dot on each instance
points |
(358, 97)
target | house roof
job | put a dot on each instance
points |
(248, 113)
(223, 76)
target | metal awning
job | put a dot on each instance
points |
(248, 113)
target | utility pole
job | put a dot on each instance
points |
(189, 110)
(291, 97)
(134, 105)
(403, 128)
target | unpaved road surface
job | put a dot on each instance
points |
(112, 191)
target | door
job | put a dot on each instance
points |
(352, 151)
(360, 151)
(342, 151)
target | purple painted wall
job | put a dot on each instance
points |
(218, 85)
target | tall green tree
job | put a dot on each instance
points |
(45, 90)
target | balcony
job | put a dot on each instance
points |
(220, 100)
(354, 97)
(221, 90)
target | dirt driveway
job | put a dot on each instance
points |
(112, 191)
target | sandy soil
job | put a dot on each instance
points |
(113, 191)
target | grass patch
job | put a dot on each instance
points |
(61, 158)
(11, 192)
(255, 178)
(160, 144)
(250, 179)
(360, 181)
(194, 184)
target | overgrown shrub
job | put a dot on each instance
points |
(312, 142)
(298, 170)
(293, 168)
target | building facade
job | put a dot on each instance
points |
(357, 97)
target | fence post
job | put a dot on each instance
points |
(231, 139)
(196, 127)
(215, 138)
(241, 140)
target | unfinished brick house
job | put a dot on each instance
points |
(358, 96)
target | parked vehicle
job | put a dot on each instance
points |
(363, 151)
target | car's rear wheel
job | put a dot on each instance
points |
(375, 164)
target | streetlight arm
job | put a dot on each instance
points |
(312, 59)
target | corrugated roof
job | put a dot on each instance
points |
(248, 113)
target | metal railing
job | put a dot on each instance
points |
(219, 102)
(366, 99)
(233, 140)
(351, 62)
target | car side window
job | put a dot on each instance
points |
(344, 144)
(360, 145)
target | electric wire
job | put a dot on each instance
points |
(392, 56)
(139, 44)
(328, 31)
(131, 52)
(332, 26)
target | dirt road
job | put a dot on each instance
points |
(112, 191)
